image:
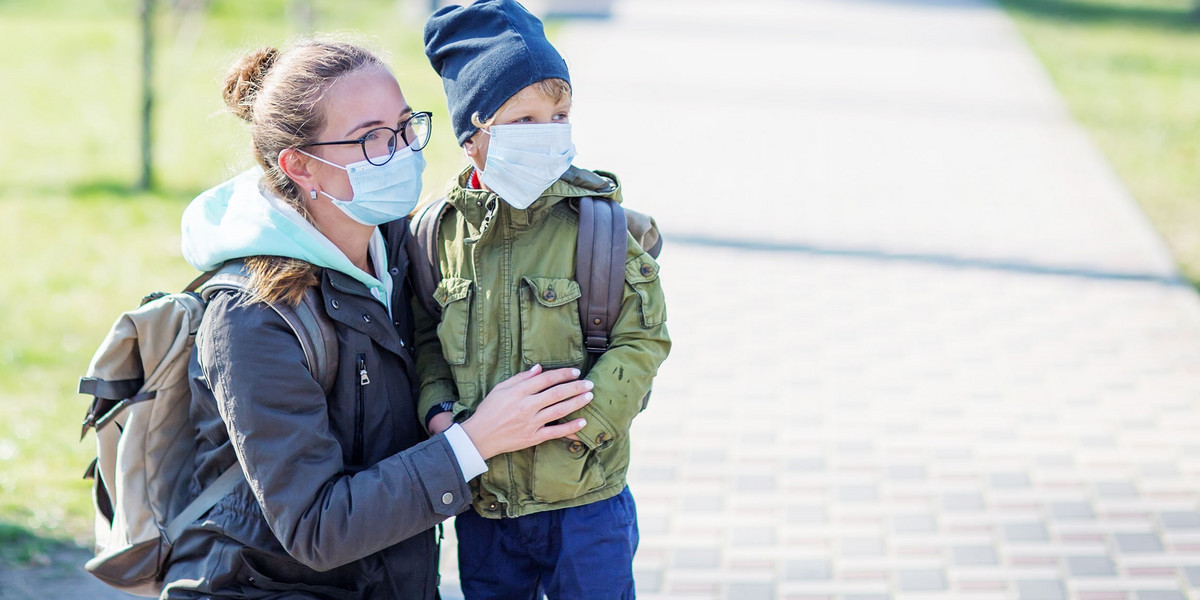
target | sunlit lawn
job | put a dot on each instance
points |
(1130, 72)
(78, 246)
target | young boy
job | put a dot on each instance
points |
(558, 517)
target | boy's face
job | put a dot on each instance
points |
(527, 107)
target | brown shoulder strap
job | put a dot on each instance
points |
(600, 269)
(423, 255)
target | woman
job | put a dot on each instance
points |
(342, 489)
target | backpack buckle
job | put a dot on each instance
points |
(596, 344)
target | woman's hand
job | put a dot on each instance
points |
(522, 410)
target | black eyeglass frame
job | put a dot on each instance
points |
(362, 141)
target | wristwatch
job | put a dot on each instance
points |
(438, 409)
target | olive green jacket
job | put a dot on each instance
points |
(509, 301)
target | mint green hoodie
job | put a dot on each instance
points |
(240, 218)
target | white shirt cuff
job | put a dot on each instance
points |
(469, 459)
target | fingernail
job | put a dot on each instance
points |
(582, 423)
(588, 396)
(575, 372)
(589, 384)
(534, 368)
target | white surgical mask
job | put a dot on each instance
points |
(523, 160)
(384, 192)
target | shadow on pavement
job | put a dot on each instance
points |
(937, 260)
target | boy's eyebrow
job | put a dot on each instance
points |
(377, 122)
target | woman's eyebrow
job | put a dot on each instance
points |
(377, 122)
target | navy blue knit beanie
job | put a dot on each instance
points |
(485, 54)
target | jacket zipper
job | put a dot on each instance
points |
(360, 411)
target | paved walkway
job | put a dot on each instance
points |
(926, 347)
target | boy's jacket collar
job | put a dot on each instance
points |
(575, 183)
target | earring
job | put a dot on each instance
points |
(312, 194)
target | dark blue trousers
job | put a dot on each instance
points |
(572, 553)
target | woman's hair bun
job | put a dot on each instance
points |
(244, 80)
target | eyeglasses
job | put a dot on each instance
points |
(379, 144)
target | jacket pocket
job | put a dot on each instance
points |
(265, 572)
(641, 272)
(550, 331)
(453, 294)
(564, 469)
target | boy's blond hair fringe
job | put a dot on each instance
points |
(555, 89)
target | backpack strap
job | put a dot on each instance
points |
(600, 268)
(423, 254)
(206, 500)
(317, 335)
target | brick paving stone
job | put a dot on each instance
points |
(1090, 566)
(921, 580)
(1040, 590)
(1025, 532)
(1180, 520)
(962, 502)
(1072, 510)
(974, 555)
(816, 569)
(1160, 595)
(750, 591)
(697, 558)
(1193, 576)
(914, 523)
(1116, 489)
(1138, 542)
(1009, 480)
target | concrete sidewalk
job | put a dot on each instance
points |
(926, 345)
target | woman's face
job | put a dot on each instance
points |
(356, 103)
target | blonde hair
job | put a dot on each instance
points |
(281, 93)
(553, 89)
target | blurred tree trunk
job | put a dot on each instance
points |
(302, 13)
(146, 12)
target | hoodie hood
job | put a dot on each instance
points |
(239, 219)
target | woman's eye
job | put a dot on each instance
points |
(371, 136)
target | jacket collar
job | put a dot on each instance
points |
(481, 208)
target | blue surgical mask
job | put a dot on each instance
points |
(384, 192)
(524, 160)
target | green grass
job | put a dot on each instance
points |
(79, 246)
(1130, 73)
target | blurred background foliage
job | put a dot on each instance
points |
(1130, 72)
(80, 244)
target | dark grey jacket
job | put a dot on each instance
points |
(342, 492)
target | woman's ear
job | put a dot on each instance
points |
(293, 164)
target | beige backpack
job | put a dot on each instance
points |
(145, 445)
